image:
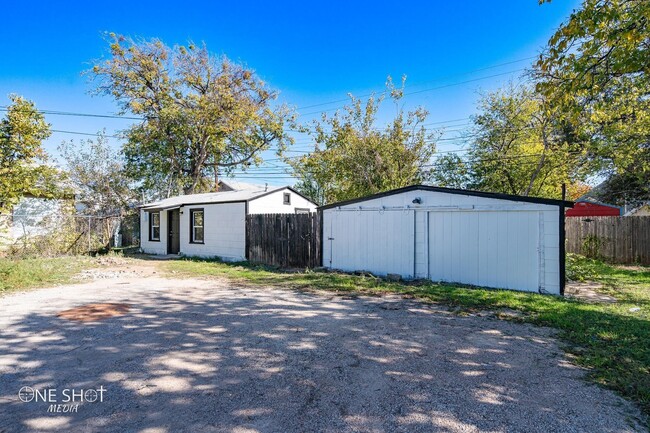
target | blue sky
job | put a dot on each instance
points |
(312, 52)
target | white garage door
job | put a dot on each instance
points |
(377, 242)
(485, 248)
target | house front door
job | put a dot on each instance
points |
(174, 224)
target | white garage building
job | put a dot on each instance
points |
(212, 224)
(443, 234)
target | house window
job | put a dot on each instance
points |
(287, 198)
(196, 226)
(300, 210)
(154, 226)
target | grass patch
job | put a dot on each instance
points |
(612, 340)
(17, 274)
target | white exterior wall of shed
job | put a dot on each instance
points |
(448, 237)
(224, 231)
(274, 203)
(153, 247)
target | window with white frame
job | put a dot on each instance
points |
(154, 226)
(286, 198)
(197, 225)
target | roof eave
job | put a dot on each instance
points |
(500, 196)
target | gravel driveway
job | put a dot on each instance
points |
(198, 355)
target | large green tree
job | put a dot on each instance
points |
(22, 158)
(354, 156)
(202, 115)
(595, 70)
(518, 145)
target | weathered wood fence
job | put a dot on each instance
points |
(615, 239)
(286, 240)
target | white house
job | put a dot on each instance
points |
(639, 211)
(213, 224)
(34, 216)
(452, 235)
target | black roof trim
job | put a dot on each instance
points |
(494, 195)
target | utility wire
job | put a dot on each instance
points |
(337, 101)
(431, 89)
(114, 116)
(85, 133)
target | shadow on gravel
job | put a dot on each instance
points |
(202, 359)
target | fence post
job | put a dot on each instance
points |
(88, 234)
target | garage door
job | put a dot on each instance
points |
(377, 242)
(485, 248)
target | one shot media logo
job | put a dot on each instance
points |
(62, 400)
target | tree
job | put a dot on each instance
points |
(309, 187)
(97, 173)
(353, 157)
(518, 145)
(22, 158)
(595, 70)
(630, 186)
(202, 115)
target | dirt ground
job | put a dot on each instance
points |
(198, 355)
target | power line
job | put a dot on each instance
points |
(337, 101)
(469, 160)
(432, 88)
(85, 133)
(112, 116)
(70, 113)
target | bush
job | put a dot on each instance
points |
(591, 246)
(581, 268)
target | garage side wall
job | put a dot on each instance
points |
(153, 247)
(224, 231)
(447, 237)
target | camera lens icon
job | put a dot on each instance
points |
(26, 394)
(91, 396)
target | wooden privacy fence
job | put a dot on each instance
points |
(615, 239)
(286, 240)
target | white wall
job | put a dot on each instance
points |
(153, 247)
(448, 237)
(381, 243)
(33, 216)
(273, 203)
(224, 231)
(225, 226)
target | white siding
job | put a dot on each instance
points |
(448, 237)
(33, 216)
(493, 249)
(274, 203)
(224, 231)
(381, 243)
(225, 225)
(153, 247)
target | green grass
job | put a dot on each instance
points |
(612, 340)
(18, 274)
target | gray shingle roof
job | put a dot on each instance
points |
(211, 197)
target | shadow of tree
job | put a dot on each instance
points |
(198, 356)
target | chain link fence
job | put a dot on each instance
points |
(54, 234)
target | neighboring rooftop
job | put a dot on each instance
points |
(236, 185)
